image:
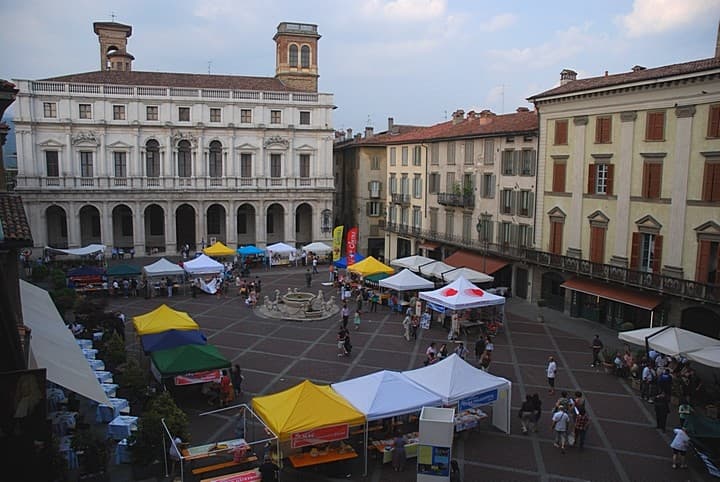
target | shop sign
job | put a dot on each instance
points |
(320, 435)
(478, 400)
(198, 377)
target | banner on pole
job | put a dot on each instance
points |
(337, 242)
(351, 245)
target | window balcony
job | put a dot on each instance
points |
(402, 199)
(452, 199)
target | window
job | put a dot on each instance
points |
(184, 114)
(405, 155)
(85, 111)
(468, 183)
(708, 261)
(527, 162)
(245, 116)
(525, 204)
(451, 153)
(275, 116)
(417, 156)
(711, 181)
(184, 159)
(375, 187)
(485, 228)
(152, 158)
(433, 220)
(646, 252)
(469, 152)
(118, 112)
(152, 113)
(375, 163)
(449, 223)
(305, 57)
(393, 160)
(293, 56)
(304, 118)
(524, 238)
(52, 164)
(373, 208)
(489, 152)
(603, 130)
(597, 244)
(450, 182)
(417, 217)
(600, 179)
(561, 132)
(86, 164)
(404, 185)
(404, 216)
(655, 126)
(507, 205)
(487, 189)
(434, 183)
(49, 109)
(505, 233)
(120, 161)
(652, 180)
(558, 180)
(245, 165)
(714, 121)
(215, 114)
(392, 186)
(275, 165)
(417, 186)
(467, 228)
(508, 162)
(305, 165)
(215, 159)
(556, 236)
(435, 154)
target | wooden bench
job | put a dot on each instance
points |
(223, 465)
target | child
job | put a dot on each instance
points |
(356, 320)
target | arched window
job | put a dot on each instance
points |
(305, 56)
(184, 159)
(215, 159)
(152, 158)
(293, 56)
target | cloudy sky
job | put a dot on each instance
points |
(414, 60)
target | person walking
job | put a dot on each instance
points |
(406, 327)
(479, 348)
(359, 301)
(597, 346)
(461, 351)
(560, 423)
(345, 313)
(527, 414)
(237, 378)
(551, 374)
(537, 410)
(398, 455)
(414, 324)
(356, 320)
(679, 445)
(308, 278)
(582, 423)
(314, 265)
(646, 381)
(662, 409)
(341, 338)
(684, 411)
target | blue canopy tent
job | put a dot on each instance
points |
(342, 262)
(172, 339)
(250, 250)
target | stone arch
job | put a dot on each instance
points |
(122, 227)
(185, 217)
(551, 292)
(245, 225)
(275, 223)
(154, 228)
(56, 226)
(304, 224)
(701, 319)
(90, 225)
(215, 221)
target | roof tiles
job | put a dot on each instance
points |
(15, 227)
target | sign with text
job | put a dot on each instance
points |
(247, 476)
(320, 435)
(351, 245)
(337, 242)
(478, 400)
(198, 377)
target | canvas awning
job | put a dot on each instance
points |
(203, 264)
(478, 262)
(411, 262)
(304, 407)
(461, 294)
(467, 273)
(317, 247)
(434, 269)
(280, 248)
(162, 267)
(370, 265)
(626, 296)
(429, 245)
(342, 262)
(84, 251)
(669, 340)
(219, 249)
(188, 359)
(406, 280)
(250, 250)
(709, 356)
(123, 270)
(53, 346)
(161, 319)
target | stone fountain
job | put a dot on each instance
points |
(297, 306)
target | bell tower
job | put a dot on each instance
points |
(296, 55)
(113, 45)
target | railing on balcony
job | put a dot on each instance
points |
(401, 198)
(666, 285)
(452, 199)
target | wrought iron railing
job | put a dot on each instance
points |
(401, 198)
(452, 199)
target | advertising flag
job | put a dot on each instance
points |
(337, 242)
(351, 245)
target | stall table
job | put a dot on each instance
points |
(211, 450)
(66, 450)
(385, 447)
(97, 365)
(122, 426)
(110, 389)
(104, 376)
(89, 353)
(62, 421)
(468, 419)
(122, 452)
(332, 455)
(84, 343)
(55, 397)
(106, 413)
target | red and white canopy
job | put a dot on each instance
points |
(461, 294)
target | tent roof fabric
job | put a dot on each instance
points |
(304, 407)
(434, 268)
(219, 249)
(411, 262)
(250, 250)
(406, 280)
(627, 296)
(53, 346)
(669, 340)
(161, 319)
(709, 356)
(461, 294)
(203, 264)
(484, 264)
(162, 267)
(317, 247)
(124, 270)
(280, 248)
(84, 251)
(188, 359)
(386, 394)
(467, 273)
(342, 262)
(377, 277)
(453, 379)
(370, 265)
(171, 339)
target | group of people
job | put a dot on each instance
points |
(433, 354)
(228, 389)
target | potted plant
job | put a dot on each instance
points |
(113, 350)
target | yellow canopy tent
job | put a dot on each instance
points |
(162, 319)
(370, 266)
(305, 406)
(219, 249)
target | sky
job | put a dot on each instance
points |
(414, 60)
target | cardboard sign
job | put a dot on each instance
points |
(320, 435)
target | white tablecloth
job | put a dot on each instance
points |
(106, 413)
(84, 343)
(89, 353)
(62, 421)
(97, 365)
(65, 448)
(55, 397)
(110, 389)
(97, 336)
(122, 452)
(103, 376)
(122, 426)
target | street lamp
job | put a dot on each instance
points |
(481, 229)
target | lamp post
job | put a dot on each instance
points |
(482, 235)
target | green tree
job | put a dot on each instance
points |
(148, 446)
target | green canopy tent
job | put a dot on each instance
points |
(123, 270)
(374, 279)
(188, 359)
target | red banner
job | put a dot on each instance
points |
(320, 436)
(198, 377)
(351, 245)
(247, 476)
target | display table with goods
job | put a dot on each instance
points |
(386, 447)
(324, 455)
(468, 419)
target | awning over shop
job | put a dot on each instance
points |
(478, 262)
(619, 294)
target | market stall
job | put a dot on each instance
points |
(406, 280)
(161, 268)
(280, 254)
(369, 266)
(317, 248)
(87, 279)
(459, 383)
(171, 339)
(203, 265)
(218, 249)
(89, 250)
(342, 262)
(468, 274)
(123, 271)
(186, 359)
(161, 319)
(668, 340)
(411, 262)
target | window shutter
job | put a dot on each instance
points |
(591, 179)
(635, 251)
(367, 209)
(703, 262)
(491, 235)
(533, 162)
(557, 232)
(655, 182)
(657, 258)
(597, 244)
(492, 187)
(514, 202)
(610, 177)
(561, 132)
(529, 241)
(531, 204)
(654, 129)
(708, 181)
(714, 121)
(647, 175)
(517, 162)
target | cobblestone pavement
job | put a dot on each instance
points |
(622, 443)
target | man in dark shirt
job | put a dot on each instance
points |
(596, 346)
(269, 470)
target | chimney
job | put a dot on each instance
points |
(349, 133)
(472, 114)
(457, 116)
(717, 43)
(638, 68)
(368, 132)
(391, 123)
(567, 75)
(358, 136)
(522, 109)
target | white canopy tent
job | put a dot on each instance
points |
(411, 262)
(709, 356)
(280, 248)
(203, 264)
(53, 346)
(434, 269)
(317, 247)
(406, 280)
(84, 251)
(456, 381)
(468, 274)
(162, 267)
(669, 340)
(461, 294)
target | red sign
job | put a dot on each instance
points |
(320, 436)
(247, 476)
(198, 377)
(351, 245)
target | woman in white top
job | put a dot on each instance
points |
(679, 446)
(551, 372)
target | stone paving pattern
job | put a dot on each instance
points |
(622, 443)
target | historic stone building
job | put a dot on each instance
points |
(155, 160)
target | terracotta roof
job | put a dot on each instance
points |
(478, 262)
(630, 77)
(15, 227)
(477, 125)
(172, 79)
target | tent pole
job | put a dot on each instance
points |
(652, 315)
(366, 448)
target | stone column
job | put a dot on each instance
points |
(577, 187)
(73, 220)
(138, 229)
(170, 235)
(200, 227)
(623, 181)
(260, 226)
(107, 235)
